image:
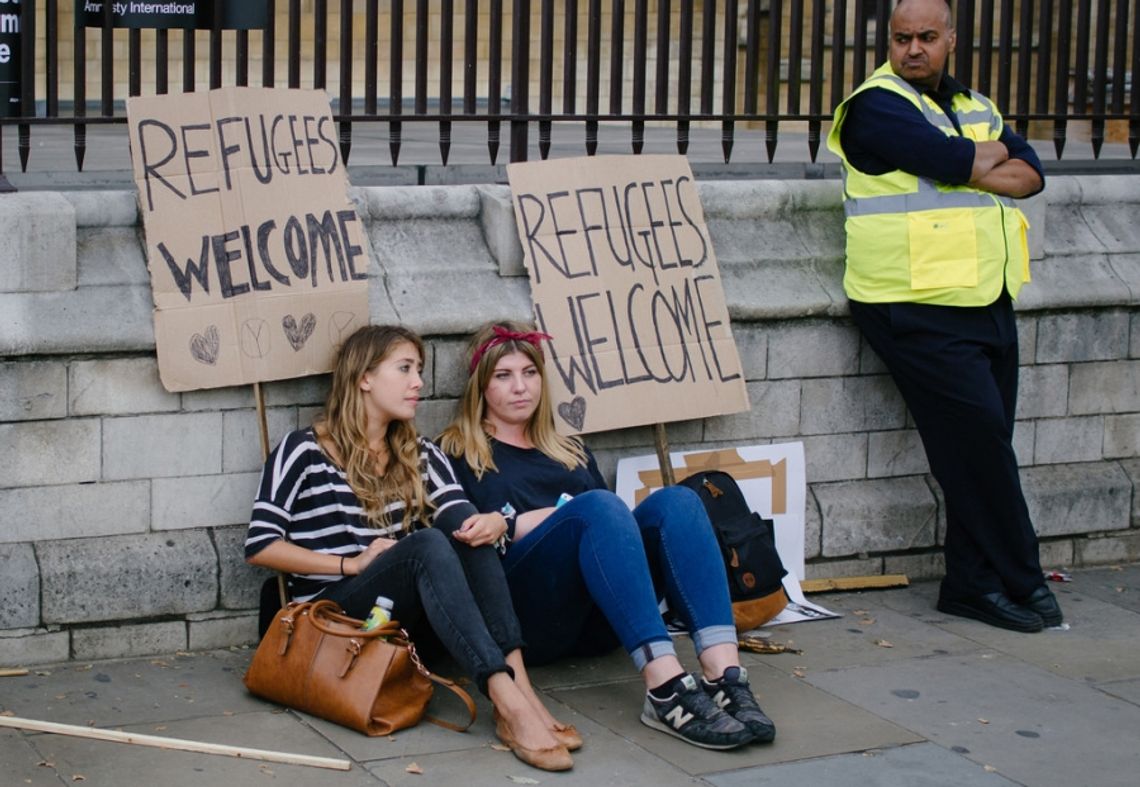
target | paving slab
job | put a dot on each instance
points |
(809, 723)
(1018, 718)
(22, 763)
(111, 693)
(917, 765)
(1117, 585)
(1127, 690)
(106, 764)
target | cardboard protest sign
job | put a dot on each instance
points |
(623, 276)
(258, 261)
(773, 479)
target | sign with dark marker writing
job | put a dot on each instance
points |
(258, 260)
(623, 276)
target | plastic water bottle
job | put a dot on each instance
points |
(381, 613)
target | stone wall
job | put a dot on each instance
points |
(122, 505)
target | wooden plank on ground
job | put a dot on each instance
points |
(854, 583)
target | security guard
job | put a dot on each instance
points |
(936, 251)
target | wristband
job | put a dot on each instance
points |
(342, 565)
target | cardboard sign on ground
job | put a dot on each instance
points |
(773, 479)
(623, 276)
(258, 261)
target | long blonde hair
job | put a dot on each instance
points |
(343, 428)
(467, 436)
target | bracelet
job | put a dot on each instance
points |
(342, 565)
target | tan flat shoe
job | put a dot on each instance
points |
(567, 735)
(552, 758)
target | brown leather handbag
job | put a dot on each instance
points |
(316, 659)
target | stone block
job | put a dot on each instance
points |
(161, 446)
(1077, 498)
(1026, 338)
(449, 370)
(1082, 336)
(127, 641)
(69, 321)
(38, 453)
(74, 511)
(869, 360)
(1043, 391)
(31, 647)
(19, 587)
(1034, 209)
(421, 203)
(413, 295)
(203, 501)
(838, 457)
(104, 208)
(775, 413)
(1131, 468)
(1056, 553)
(1074, 281)
(312, 389)
(850, 404)
(38, 228)
(1024, 439)
(766, 288)
(812, 348)
(1101, 549)
(110, 255)
(119, 386)
(876, 516)
(497, 220)
(1104, 387)
(241, 436)
(927, 565)
(895, 453)
(834, 569)
(813, 527)
(223, 630)
(240, 583)
(1121, 436)
(33, 390)
(123, 577)
(433, 415)
(752, 347)
(1069, 440)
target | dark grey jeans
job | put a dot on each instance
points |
(458, 590)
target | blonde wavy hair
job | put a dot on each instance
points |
(342, 430)
(467, 436)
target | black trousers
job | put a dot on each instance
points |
(459, 592)
(956, 368)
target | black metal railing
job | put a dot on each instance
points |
(1049, 64)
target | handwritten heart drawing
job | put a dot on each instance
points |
(298, 335)
(205, 348)
(573, 412)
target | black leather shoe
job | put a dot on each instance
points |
(996, 609)
(1044, 603)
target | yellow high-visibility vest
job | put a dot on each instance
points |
(916, 240)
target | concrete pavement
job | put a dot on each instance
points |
(892, 693)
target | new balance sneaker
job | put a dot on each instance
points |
(691, 715)
(732, 694)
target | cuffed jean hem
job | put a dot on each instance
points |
(646, 653)
(705, 638)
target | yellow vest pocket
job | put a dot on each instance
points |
(943, 249)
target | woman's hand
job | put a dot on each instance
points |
(356, 565)
(480, 529)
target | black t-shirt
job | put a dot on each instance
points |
(526, 478)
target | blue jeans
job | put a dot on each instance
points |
(593, 570)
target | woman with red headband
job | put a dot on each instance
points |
(585, 572)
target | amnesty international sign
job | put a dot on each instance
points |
(624, 277)
(163, 14)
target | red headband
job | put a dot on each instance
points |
(504, 335)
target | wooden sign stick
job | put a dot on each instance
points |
(661, 442)
(177, 744)
(263, 430)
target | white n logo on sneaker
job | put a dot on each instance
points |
(678, 717)
(721, 699)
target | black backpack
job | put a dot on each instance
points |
(748, 546)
